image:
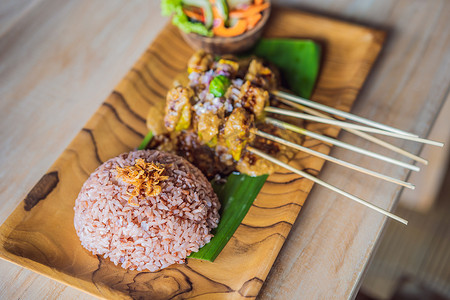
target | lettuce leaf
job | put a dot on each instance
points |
(168, 7)
(182, 21)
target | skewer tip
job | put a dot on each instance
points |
(405, 222)
(397, 218)
(327, 185)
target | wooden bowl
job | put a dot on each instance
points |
(224, 45)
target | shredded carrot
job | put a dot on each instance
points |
(145, 178)
(216, 13)
(239, 28)
(251, 10)
(193, 15)
(253, 20)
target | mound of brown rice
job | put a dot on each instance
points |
(162, 230)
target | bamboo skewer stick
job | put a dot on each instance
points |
(348, 125)
(356, 132)
(339, 143)
(338, 112)
(327, 185)
(333, 159)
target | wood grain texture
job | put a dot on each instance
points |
(333, 239)
(29, 238)
(58, 61)
(51, 84)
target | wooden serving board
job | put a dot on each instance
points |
(40, 235)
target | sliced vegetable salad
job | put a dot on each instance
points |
(214, 17)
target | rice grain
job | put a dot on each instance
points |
(162, 230)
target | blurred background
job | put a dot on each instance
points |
(410, 262)
(414, 262)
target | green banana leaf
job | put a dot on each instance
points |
(236, 196)
(299, 66)
(298, 62)
(146, 141)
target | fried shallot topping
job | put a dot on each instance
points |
(145, 177)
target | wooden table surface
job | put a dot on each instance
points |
(60, 59)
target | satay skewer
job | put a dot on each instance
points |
(327, 185)
(336, 142)
(332, 159)
(361, 134)
(298, 115)
(338, 112)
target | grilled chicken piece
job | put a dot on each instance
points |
(227, 67)
(178, 109)
(260, 75)
(208, 128)
(237, 131)
(232, 93)
(208, 160)
(253, 98)
(200, 62)
(254, 165)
